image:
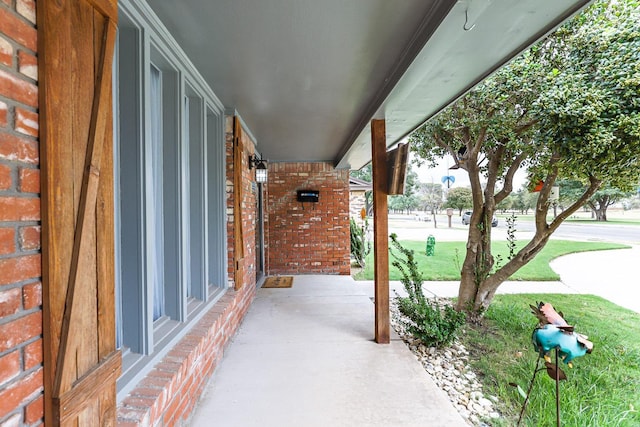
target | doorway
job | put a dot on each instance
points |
(260, 234)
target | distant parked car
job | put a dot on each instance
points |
(422, 216)
(466, 219)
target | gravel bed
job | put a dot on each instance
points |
(449, 369)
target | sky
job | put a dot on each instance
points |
(434, 175)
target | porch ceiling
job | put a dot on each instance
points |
(307, 76)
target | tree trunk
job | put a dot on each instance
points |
(600, 210)
(476, 267)
(599, 207)
(478, 283)
(478, 286)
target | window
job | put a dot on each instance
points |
(170, 193)
(216, 203)
(154, 217)
(195, 143)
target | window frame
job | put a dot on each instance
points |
(193, 134)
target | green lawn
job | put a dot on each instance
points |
(602, 389)
(630, 220)
(446, 263)
(608, 222)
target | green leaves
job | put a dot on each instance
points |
(459, 198)
(427, 320)
(521, 391)
(576, 94)
(360, 247)
(590, 113)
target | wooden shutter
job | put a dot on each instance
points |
(238, 240)
(76, 45)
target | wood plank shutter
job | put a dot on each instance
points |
(238, 239)
(76, 45)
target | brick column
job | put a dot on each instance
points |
(308, 238)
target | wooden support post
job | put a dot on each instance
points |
(380, 230)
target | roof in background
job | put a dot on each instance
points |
(356, 184)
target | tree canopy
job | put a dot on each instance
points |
(363, 174)
(566, 108)
(589, 110)
(430, 195)
(409, 200)
(459, 198)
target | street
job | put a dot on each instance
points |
(618, 233)
(408, 228)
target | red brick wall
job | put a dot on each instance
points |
(168, 394)
(21, 383)
(310, 238)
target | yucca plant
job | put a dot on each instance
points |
(434, 324)
(360, 247)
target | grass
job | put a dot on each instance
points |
(603, 388)
(448, 258)
(608, 222)
(631, 220)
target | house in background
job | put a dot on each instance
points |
(133, 231)
(357, 198)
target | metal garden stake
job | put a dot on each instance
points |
(554, 333)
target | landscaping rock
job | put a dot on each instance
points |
(449, 369)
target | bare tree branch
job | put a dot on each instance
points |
(542, 206)
(538, 241)
(507, 188)
(476, 186)
(526, 126)
(447, 147)
(480, 140)
(594, 184)
(492, 169)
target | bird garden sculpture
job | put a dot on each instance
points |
(554, 333)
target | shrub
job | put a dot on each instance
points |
(424, 318)
(360, 247)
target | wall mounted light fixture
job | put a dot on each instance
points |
(261, 167)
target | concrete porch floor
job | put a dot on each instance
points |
(305, 356)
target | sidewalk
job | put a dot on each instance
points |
(613, 275)
(450, 289)
(305, 357)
